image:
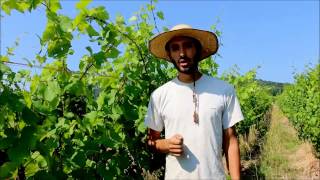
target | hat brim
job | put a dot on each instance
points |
(208, 40)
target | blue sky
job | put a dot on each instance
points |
(280, 36)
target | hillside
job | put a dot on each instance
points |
(276, 88)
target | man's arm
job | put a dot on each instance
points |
(232, 152)
(173, 145)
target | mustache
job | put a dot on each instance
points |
(190, 70)
(184, 58)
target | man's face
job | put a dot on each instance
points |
(182, 51)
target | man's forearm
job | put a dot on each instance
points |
(159, 145)
(234, 159)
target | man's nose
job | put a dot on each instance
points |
(182, 52)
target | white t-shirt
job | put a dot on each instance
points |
(171, 108)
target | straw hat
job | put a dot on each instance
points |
(207, 39)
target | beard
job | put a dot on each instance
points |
(190, 70)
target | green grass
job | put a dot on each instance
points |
(280, 143)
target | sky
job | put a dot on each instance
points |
(282, 37)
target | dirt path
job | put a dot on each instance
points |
(284, 156)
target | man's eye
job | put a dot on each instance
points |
(174, 48)
(188, 45)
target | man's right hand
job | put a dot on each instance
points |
(175, 145)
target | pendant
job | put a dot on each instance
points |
(195, 118)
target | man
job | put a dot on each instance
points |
(197, 112)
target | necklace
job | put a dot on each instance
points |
(196, 104)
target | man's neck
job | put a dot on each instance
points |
(189, 78)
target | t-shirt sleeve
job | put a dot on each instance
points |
(232, 112)
(153, 118)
